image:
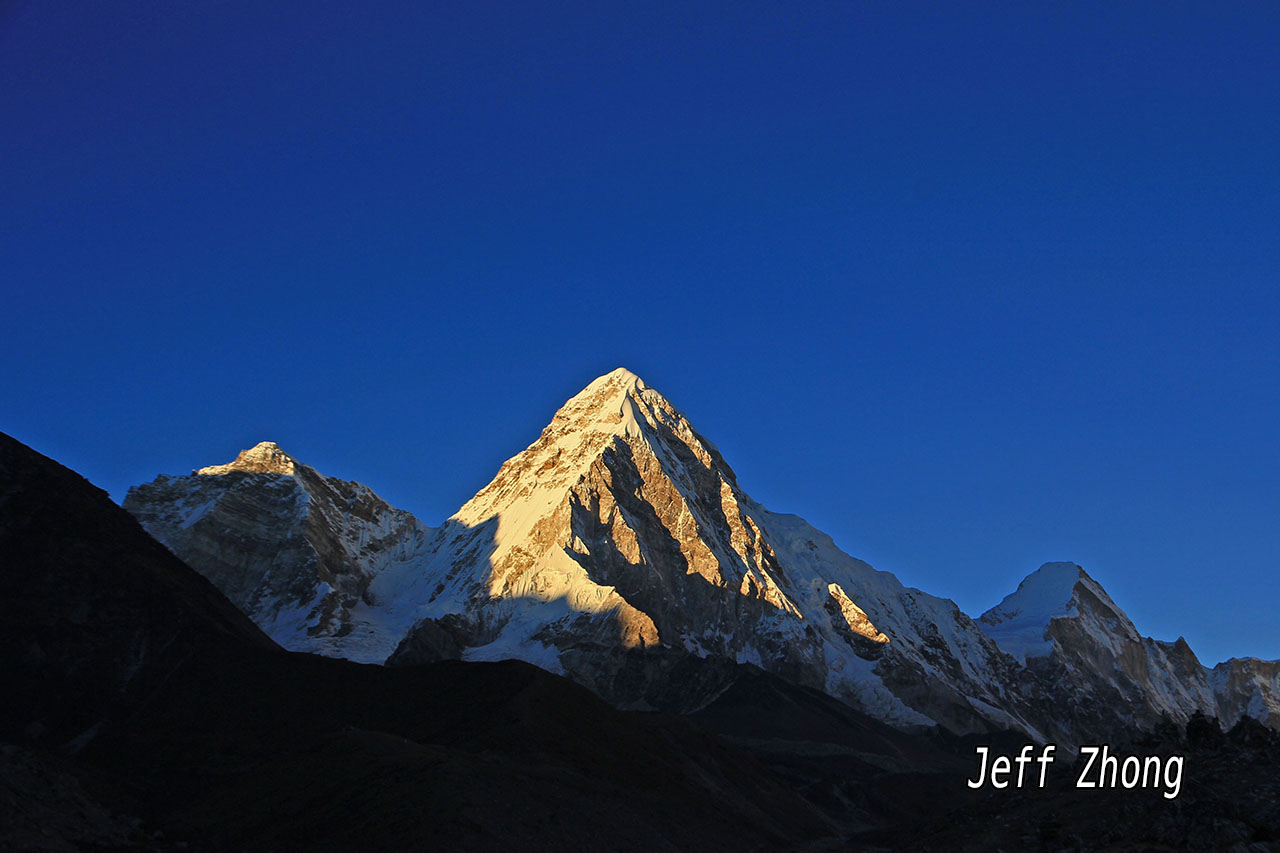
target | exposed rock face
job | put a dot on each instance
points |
(292, 548)
(1247, 687)
(1100, 676)
(852, 623)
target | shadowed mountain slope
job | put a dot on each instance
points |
(176, 709)
(98, 613)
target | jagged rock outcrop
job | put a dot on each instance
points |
(295, 550)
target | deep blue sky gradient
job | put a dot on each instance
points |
(969, 286)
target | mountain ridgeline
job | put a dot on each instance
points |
(620, 550)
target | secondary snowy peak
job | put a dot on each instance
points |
(265, 457)
(1100, 675)
(1019, 624)
(1045, 592)
(292, 548)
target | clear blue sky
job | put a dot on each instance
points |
(970, 287)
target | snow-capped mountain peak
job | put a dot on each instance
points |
(1020, 623)
(1042, 595)
(295, 550)
(1099, 673)
(617, 403)
(619, 377)
(607, 405)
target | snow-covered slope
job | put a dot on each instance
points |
(294, 549)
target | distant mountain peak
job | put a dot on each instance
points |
(1020, 624)
(265, 457)
(1048, 592)
(1050, 586)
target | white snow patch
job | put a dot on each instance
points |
(196, 513)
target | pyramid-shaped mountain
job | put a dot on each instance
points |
(622, 528)
(620, 535)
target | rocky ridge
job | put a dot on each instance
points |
(619, 545)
